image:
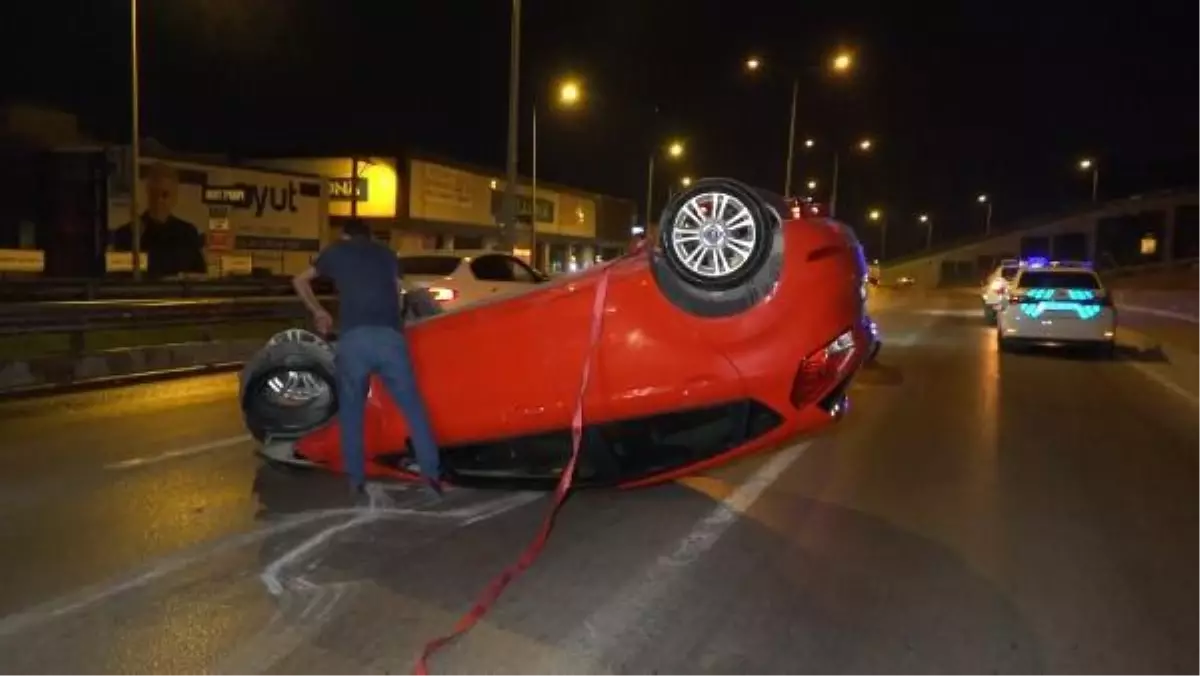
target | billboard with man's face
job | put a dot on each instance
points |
(245, 209)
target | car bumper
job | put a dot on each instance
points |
(1049, 329)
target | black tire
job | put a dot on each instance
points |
(709, 293)
(270, 415)
(1106, 350)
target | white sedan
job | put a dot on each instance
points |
(459, 278)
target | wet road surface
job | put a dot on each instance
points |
(975, 512)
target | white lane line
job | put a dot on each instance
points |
(180, 452)
(605, 631)
(1168, 314)
(1153, 374)
(90, 596)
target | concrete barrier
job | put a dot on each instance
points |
(58, 372)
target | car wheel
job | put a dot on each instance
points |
(289, 387)
(721, 248)
(1107, 350)
(989, 315)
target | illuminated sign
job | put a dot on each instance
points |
(341, 190)
(254, 198)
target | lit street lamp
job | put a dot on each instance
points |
(864, 145)
(1086, 164)
(987, 223)
(876, 216)
(812, 184)
(840, 64)
(675, 150)
(924, 220)
(569, 95)
(686, 181)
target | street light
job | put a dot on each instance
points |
(924, 220)
(864, 145)
(840, 64)
(1087, 164)
(987, 202)
(842, 61)
(812, 184)
(569, 95)
(686, 181)
(675, 150)
(876, 216)
(135, 220)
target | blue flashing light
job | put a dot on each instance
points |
(1036, 262)
(1079, 303)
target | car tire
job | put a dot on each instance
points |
(1106, 350)
(289, 388)
(688, 266)
(989, 315)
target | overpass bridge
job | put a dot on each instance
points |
(1156, 229)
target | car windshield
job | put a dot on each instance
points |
(1009, 272)
(435, 266)
(1059, 280)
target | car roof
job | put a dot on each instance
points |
(1058, 270)
(456, 253)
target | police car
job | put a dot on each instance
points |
(1056, 303)
(995, 288)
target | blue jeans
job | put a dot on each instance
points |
(365, 350)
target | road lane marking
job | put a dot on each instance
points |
(604, 631)
(87, 597)
(180, 452)
(1164, 381)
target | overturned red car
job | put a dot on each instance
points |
(741, 326)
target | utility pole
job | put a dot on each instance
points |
(135, 218)
(833, 187)
(508, 209)
(534, 259)
(791, 153)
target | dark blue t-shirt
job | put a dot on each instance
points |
(365, 273)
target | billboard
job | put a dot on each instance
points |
(227, 207)
(378, 182)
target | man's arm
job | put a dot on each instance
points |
(302, 283)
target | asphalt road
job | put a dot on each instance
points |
(975, 512)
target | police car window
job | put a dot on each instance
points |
(1059, 280)
(1009, 272)
(438, 266)
(493, 268)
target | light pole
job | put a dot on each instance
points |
(840, 64)
(987, 223)
(509, 201)
(876, 216)
(569, 94)
(135, 218)
(1087, 164)
(865, 145)
(924, 220)
(674, 151)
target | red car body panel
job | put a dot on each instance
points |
(512, 367)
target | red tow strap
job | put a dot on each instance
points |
(496, 587)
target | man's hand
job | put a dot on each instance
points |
(324, 322)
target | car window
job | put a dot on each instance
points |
(493, 268)
(523, 273)
(1058, 280)
(436, 266)
(1009, 272)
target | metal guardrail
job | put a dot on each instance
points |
(32, 290)
(77, 317)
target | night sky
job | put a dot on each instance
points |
(1002, 97)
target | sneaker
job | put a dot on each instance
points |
(433, 487)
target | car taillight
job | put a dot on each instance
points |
(822, 369)
(442, 295)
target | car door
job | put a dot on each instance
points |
(501, 274)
